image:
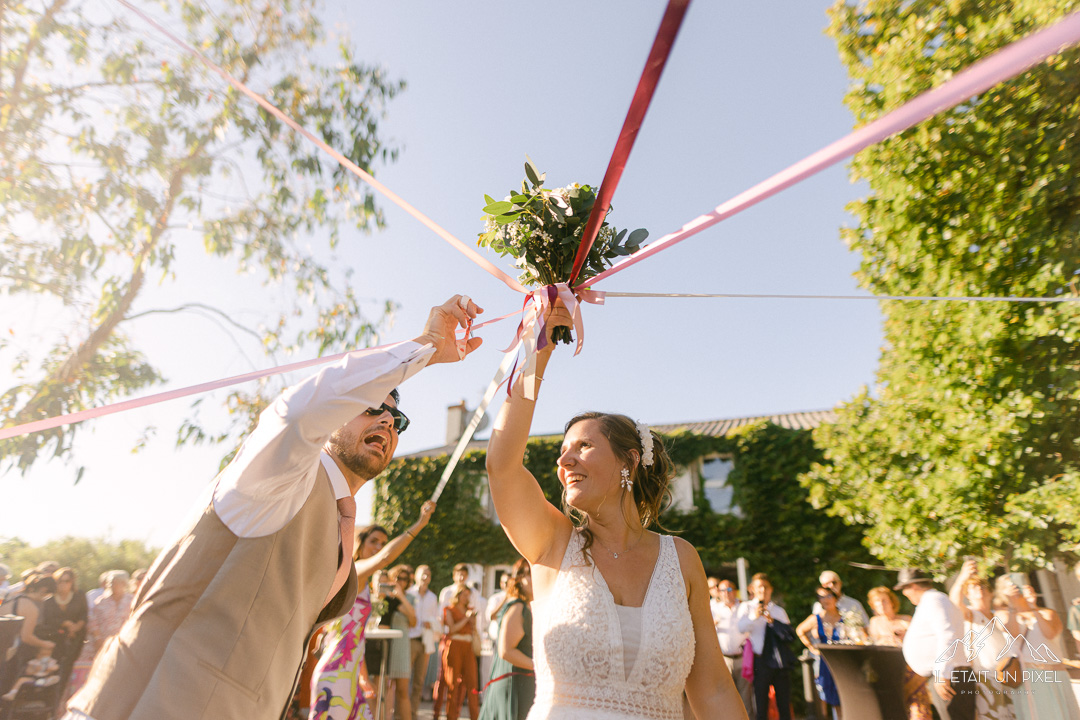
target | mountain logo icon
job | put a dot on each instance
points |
(974, 641)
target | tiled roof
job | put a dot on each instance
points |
(716, 428)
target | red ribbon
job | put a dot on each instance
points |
(650, 76)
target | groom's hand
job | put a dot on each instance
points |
(441, 325)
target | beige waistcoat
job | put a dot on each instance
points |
(219, 628)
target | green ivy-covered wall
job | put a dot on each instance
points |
(778, 531)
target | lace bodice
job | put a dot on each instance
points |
(578, 649)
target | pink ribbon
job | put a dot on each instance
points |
(532, 330)
(346, 162)
(102, 411)
(1002, 65)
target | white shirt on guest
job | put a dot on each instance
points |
(846, 603)
(272, 475)
(726, 621)
(935, 628)
(755, 626)
(427, 611)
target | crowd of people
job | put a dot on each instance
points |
(354, 672)
(987, 651)
(62, 630)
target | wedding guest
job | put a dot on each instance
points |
(5, 575)
(402, 616)
(459, 660)
(512, 686)
(1073, 622)
(887, 627)
(770, 632)
(600, 575)
(494, 604)
(66, 615)
(821, 628)
(725, 613)
(479, 603)
(29, 603)
(102, 586)
(931, 646)
(43, 671)
(18, 587)
(972, 595)
(230, 604)
(339, 682)
(460, 577)
(1046, 693)
(109, 611)
(424, 637)
(846, 603)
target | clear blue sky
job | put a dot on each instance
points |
(750, 88)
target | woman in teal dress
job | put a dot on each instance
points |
(510, 691)
(336, 692)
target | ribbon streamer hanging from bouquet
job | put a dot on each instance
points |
(532, 331)
(639, 105)
(1004, 64)
(474, 422)
(908, 298)
(124, 405)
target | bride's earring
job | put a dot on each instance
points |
(626, 482)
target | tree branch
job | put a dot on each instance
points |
(32, 41)
(222, 315)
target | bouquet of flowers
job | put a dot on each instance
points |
(853, 627)
(542, 230)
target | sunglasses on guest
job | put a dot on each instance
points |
(401, 422)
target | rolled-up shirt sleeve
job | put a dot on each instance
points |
(272, 474)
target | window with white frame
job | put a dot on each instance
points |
(714, 484)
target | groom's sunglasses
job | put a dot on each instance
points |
(400, 421)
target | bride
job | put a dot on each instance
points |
(622, 625)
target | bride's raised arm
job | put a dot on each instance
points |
(530, 521)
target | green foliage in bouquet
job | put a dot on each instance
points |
(542, 230)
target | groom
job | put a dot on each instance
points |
(219, 627)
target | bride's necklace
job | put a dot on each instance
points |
(616, 554)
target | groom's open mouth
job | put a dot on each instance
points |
(378, 440)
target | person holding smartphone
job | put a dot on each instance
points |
(770, 632)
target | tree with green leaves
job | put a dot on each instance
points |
(124, 164)
(969, 442)
(88, 557)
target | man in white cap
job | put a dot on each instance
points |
(844, 603)
(933, 647)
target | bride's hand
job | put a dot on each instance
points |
(557, 316)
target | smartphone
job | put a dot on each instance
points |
(386, 588)
(1019, 579)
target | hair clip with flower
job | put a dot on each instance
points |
(645, 435)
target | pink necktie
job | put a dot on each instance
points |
(347, 510)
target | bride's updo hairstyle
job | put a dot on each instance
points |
(652, 484)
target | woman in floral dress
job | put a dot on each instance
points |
(337, 691)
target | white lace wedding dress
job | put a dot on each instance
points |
(578, 645)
